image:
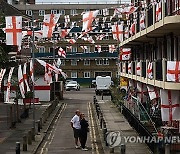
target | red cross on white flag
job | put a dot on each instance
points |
(112, 48)
(98, 47)
(117, 31)
(49, 24)
(21, 81)
(153, 92)
(132, 28)
(14, 30)
(72, 41)
(158, 11)
(142, 21)
(64, 32)
(138, 68)
(170, 104)
(61, 52)
(9, 85)
(173, 71)
(125, 53)
(88, 18)
(141, 92)
(130, 68)
(150, 70)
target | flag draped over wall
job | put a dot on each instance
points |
(173, 71)
(170, 104)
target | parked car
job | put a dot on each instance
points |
(72, 85)
(93, 84)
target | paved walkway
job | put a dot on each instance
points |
(117, 122)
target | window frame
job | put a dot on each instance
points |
(42, 14)
(88, 62)
(74, 72)
(28, 12)
(74, 62)
(88, 73)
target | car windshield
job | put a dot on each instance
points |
(72, 82)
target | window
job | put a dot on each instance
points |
(74, 49)
(87, 50)
(99, 62)
(105, 62)
(62, 12)
(29, 12)
(62, 62)
(41, 12)
(86, 62)
(41, 25)
(73, 12)
(41, 49)
(53, 11)
(86, 10)
(73, 74)
(106, 37)
(86, 74)
(74, 62)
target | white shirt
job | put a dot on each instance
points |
(76, 122)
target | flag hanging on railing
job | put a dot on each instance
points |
(173, 71)
(170, 104)
(88, 18)
(158, 11)
(112, 48)
(142, 21)
(153, 92)
(130, 68)
(98, 47)
(14, 30)
(141, 92)
(21, 81)
(117, 31)
(125, 53)
(138, 68)
(49, 24)
(150, 70)
(132, 28)
(2, 75)
(64, 32)
(8, 91)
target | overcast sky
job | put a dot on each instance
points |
(83, 1)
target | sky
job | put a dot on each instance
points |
(82, 1)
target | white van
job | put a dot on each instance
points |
(103, 84)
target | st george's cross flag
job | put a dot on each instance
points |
(125, 53)
(112, 48)
(130, 68)
(98, 47)
(170, 104)
(49, 24)
(88, 18)
(153, 92)
(71, 41)
(173, 71)
(141, 92)
(138, 68)
(150, 70)
(158, 11)
(142, 21)
(8, 91)
(14, 30)
(21, 81)
(117, 31)
(64, 32)
(61, 52)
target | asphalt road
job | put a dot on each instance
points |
(60, 139)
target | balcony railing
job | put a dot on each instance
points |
(72, 55)
(159, 73)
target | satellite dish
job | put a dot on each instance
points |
(58, 62)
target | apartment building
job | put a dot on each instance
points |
(153, 72)
(80, 64)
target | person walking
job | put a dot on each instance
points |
(84, 130)
(75, 124)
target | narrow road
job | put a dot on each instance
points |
(60, 139)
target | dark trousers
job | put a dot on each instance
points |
(83, 139)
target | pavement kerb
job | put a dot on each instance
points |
(105, 148)
(56, 111)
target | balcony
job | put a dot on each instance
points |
(78, 55)
(159, 72)
(169, 22)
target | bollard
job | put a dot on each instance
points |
(25, 143)
(123, 148)
(17, 147)
(111, 150)
(33, 133)
(29, 137)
